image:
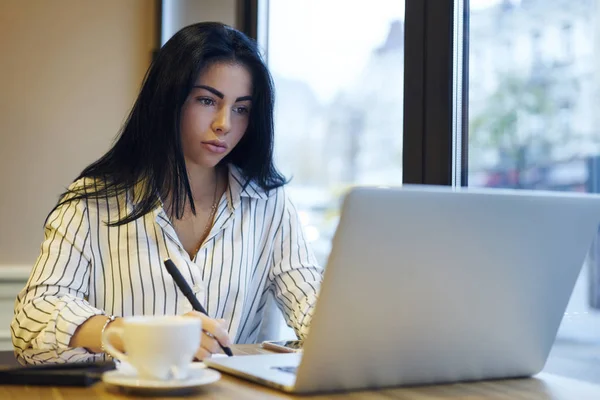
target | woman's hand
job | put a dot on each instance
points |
(213, 332)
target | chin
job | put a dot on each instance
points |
(208, 162)
(204, 159)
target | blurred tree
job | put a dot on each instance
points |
(514, 121)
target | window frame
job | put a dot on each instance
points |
(429, 76)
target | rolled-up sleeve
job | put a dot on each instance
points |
(295, 275)
(53, 303)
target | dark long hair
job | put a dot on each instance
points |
(148, 153)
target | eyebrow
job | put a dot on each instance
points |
(221, 95)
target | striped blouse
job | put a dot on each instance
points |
(87, 268)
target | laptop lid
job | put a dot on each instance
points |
(430, 285)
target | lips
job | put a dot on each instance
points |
(215, 146)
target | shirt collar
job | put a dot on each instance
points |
(239, 185)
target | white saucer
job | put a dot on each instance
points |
(198, 376)
(127, 369)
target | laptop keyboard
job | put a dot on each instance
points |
(289, 370)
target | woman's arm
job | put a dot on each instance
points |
(52, 305)
(295, 276)
(88, 334)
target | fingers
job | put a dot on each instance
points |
(215, 328)
(202, 354)
(208, 347)
(210, 344)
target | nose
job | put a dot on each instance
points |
(222, 122)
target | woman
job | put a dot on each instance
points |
(191, 178)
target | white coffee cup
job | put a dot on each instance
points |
(158, 347)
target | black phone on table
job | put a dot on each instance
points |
(68, 374)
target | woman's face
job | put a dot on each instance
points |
(215, 114)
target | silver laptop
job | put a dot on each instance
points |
(429, 285)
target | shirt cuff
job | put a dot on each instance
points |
(304, 316)
(72, 312)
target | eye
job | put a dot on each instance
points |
(206, 101)
(241, 110)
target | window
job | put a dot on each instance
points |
(504, 95)
(534, 125)
(339, 101)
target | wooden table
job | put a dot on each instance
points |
(542, 387)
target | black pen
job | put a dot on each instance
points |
(187, 292)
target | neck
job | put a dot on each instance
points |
(202, 182)
(205, 186)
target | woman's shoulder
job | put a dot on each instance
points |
(76, 192)
(88, 193)
(84, 185)
(280, 201)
